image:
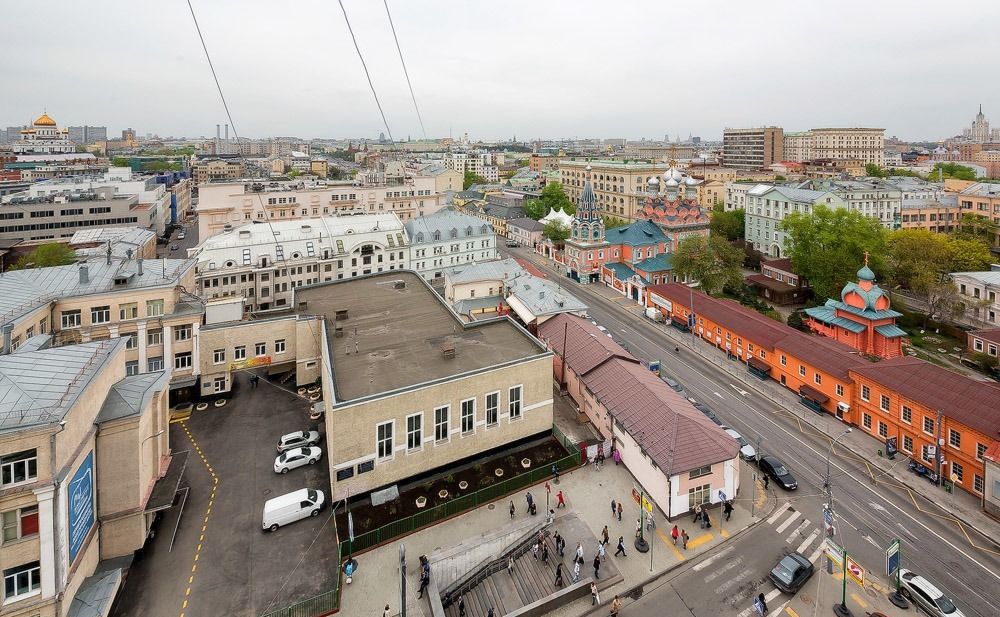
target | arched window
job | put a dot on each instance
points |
(468, 230)
(454, 232)
(420, 236)
(485, 229)
(437, 235)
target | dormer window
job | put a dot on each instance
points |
(437, 235)
(420, 236)
(454, 232)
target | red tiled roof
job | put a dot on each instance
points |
(783, 263)
(770, 283)
(993, 452)
(975, 404)
(586, 347)
(830, 356)
(675, 435)
(991, 334)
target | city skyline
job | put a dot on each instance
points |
(495, 76)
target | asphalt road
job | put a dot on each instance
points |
(961, 562)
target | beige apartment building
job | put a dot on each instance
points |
(214, 170)
(84, 465)
(143, 301)
(436, 391)
(236, 203)
(866, 145)
(756, 148)
(619, 187)
(983, 199)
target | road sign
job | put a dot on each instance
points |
(833, 551)
(892, 558)
(722, 495)
(828, 517)
(855, 571)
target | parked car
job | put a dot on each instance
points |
(925, 595)
(776, 470)
(512, 243)
(292, 507)
(296, 457)
(181, 236)
(604, 330)
(298, 439)
(747, 452)
(791, 573)
(676, 387)
(705, 409)
(173, 247)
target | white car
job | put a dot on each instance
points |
(297, 457)
(928, 597)
(604, 330)
(181, 236)
(298, 439)
(747, 452)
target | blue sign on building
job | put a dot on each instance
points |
(80, 498)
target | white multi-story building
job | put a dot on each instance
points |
(448, 239)
(736, 195)
(767, 206)
(482, 163)
(222, 204)
(264, 263)
(869, 196)
(982, 293)
(862, 144)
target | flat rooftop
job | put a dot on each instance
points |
(395, 332)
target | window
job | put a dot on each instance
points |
(492, 408)
(468, 415)
(699, 495)
(957, 471)
(128, 311)
(782, 360)
(132, 367)
(866, 421)
(414, 431)
(514, 402)
(19, 523)
(802, 371)
(883, 429)
(240, 352)
(441, 415)
(182, 360)
(818, 379)
(219, 356)
(883, 402)
(260, 349)
(70, 319)
(182, 333)
(155, 364)
(907, 444)
(154, 308)
(977, 483)
(279, 346)
(906, 414)
(866, 393)
(131, 340)
(365, 467)
(928, 426)
(154, 337)
(345, 473)
(954, 438)
(100, 314)
(700, 471)
(980, 451)
(383, 440)
(21, 581)
(18, 467)
(840, 390)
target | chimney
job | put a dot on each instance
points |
(84, 274)
(227, 132)
(7, 329)
(217, 134)
(139, 265)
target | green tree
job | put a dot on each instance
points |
(712, 261)
(610, 222)
(827, 246)
(874, 171)
(555, 231)
(553, 196)
(985, 361)
(941, 297)
(953, 171)
(119, 161)
(729, 225)
(975, 226)
(912, 252)
(472, 178)
(968, 255)
(46, 255)
(534, 208)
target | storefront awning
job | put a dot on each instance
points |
(758, 364)
(162, 496)
(813, 394)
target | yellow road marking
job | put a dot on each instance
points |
(670, 544)
(859, 600)
(700, 540)
(792, 613)
(208, 512)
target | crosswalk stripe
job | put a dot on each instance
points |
(704, 564)
(808, 541)
(722, 570)
(816, 553)
(781, 510)
(771, 595)
(788, 521)
(798, 530)
(778, 610)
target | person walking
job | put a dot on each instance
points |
(600, 550)
(576, 569)
(697, 513)
(597, 566)
(616, 606)
(545, 553)
(534, 550)
(728, 509)
(511, 509)
(684, 538)
(425, 579)
(763, 601)
(560, 500)
(579, 550)
(674, 534)
(604, 534)
(461, 606)
(706, 522)
(530, 500)
(510, 565)
(490, 613)
(385, 613)
(559, 574)
(766, 481)
(621, 547)
(593, 595)
(614, 508)
(559, 543)
(620, 510)
(638, 526)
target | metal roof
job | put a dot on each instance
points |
(495, 270)
(130, 395)
(622, 272)
(421, 229)
(890, 331)
(990, 277)
(639, 232)
(663, 261)
(827, 314)
(542, 297)
(94, 597)
(586, 347)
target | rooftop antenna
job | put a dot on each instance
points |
(108, 251)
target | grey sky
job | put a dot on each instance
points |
(533, 68)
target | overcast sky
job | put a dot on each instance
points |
(537, 68)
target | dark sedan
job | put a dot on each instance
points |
(791, 573)
(776, 470)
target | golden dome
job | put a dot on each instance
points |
(44, 120)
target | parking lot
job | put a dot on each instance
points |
(222, 563)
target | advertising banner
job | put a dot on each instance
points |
(80, 497)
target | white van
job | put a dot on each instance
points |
(292, 507)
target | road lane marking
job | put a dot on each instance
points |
(700, 540)
(707, 562)
(859, 600)
(791, 612)
(798, 531)
(677, 553)
(208, 514)
(722, 570)
(808, 541)
(781, 510)
(788, 521)
(815, 554)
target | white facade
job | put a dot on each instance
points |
(864, 144)
(981, 290)
(481, 163)
(44, 137)
(265, 263)
(736, 195)
(767, 206)
(448, 239)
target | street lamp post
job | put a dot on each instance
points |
(839, 609)
(640, 542)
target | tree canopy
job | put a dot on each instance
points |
(827, 246)
(553, 196)
(555, 231)
(610, 222)
(912, 253)
(472, 178)
(712, 261)
(46, 255)
(730, 225)
(975, 226)
(968, 255)
(953, 171)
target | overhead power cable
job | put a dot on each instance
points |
(367, 74)
(405, 72)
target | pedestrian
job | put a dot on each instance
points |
(674, 534)
(461, 606)
(604, 533)
(614, 508)
(489, 613)
(638, 526)
(576, 569)
(559, 574)
(593, 595)
(621, 547)
(579, 550)
(706, 522)
(534, 550)
(558, 540)
(684, 537)
(597, 566)
(616, 606)
(545, 553)
(560, 500)
(511, 509)
(385, 613)
(762, 600)
(728, 509)
(425, 579)
(551, 517)
(620, 510)
(555, 472)
(697, 513)
(600, 550)
(594, 460)
(765, 482)
(530, 500)
(510, 565)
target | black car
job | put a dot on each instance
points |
(773, 467)
(705, 409)
(791, 573)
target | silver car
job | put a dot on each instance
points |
(298, 439)
(925, 595)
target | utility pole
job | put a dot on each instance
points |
(841, 609)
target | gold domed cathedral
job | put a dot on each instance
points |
(862, 318)
(44, 137)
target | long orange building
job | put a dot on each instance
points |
(918, 403)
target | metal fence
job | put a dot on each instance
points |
(322, 604)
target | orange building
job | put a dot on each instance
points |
(861, 318)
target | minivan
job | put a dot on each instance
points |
(292, 507)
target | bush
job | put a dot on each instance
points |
(985, 361)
